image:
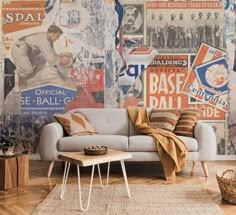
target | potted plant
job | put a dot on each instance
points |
(8, 142)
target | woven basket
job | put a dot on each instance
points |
(227, 184)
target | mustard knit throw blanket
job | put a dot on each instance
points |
(171, 150)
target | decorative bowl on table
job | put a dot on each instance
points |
(95, 150)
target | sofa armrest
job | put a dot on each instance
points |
(206, 138)
(49, 137)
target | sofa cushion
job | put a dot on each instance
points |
(75, 123)
(187, 121)
(164, 118)
(145, 143)
(107, 121)
(77, 143)
(191, 143)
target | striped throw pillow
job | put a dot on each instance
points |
(75, 123)
(164, 118)
(187, 121)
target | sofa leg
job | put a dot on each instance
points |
(204, 166)
(193, 168)
(51, 164)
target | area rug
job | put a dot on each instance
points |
(145, 199)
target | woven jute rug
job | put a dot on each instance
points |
(145, 199)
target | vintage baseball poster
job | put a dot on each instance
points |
(202, 85)
(134, 18)
(165, 78)
(181, 26)
(212, 83)
(73, 60)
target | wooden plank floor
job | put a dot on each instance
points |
(23, 200)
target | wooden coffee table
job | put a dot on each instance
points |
(80, 159)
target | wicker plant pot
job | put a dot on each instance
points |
(227, 184)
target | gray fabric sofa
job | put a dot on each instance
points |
(116, 131)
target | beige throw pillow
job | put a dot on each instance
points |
(187, 122)
(164, 118)
(75, 123)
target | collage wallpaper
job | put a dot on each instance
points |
(57, 55)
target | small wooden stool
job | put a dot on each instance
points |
(14, 171)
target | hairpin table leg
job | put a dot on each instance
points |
(125, 176)
(64, 180)
(90, 189)
(100, 178)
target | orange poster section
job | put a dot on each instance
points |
(20, 15)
